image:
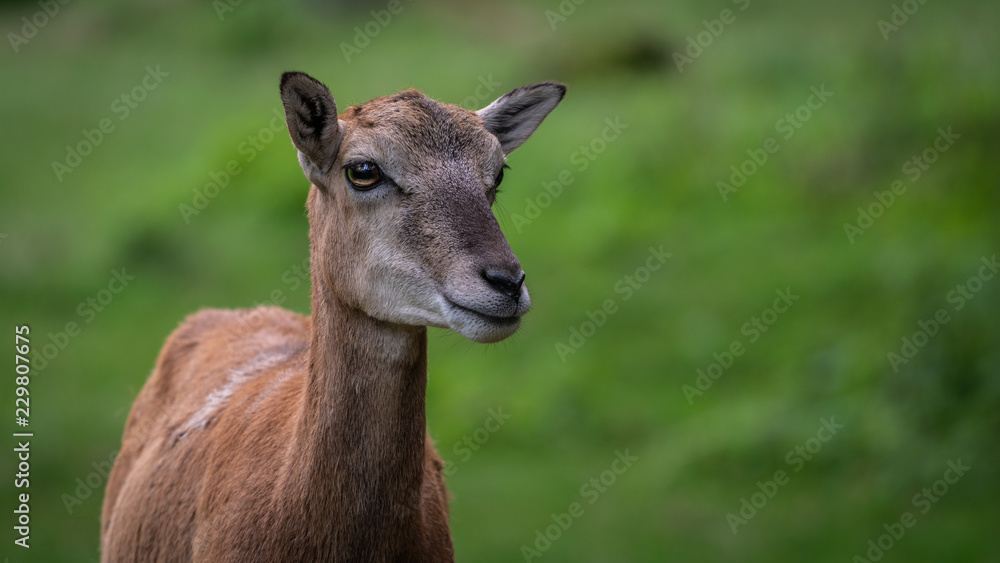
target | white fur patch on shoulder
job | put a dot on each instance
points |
(219, 397)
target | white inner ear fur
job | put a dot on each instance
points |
(514, 116)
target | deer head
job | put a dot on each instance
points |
(400, 205)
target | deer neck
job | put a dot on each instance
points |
(363, 428)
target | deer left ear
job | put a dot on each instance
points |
(514, 116)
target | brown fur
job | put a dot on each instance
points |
(263, 435)
(259, 458)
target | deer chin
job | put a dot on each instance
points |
(479, 326)
(479, 322)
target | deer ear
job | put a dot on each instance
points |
(311, 115)
(514, 116)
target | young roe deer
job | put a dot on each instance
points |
(293, 438)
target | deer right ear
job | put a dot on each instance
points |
(311, 115)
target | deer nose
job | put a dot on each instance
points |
(503, 282)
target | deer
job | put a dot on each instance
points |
(265, 435)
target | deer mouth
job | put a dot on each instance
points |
(496, 319)
(481, 326)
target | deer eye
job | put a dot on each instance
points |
(498, 179)
(364, 175)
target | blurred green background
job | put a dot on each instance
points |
(684, 123)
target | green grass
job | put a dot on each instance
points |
(654, 185)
